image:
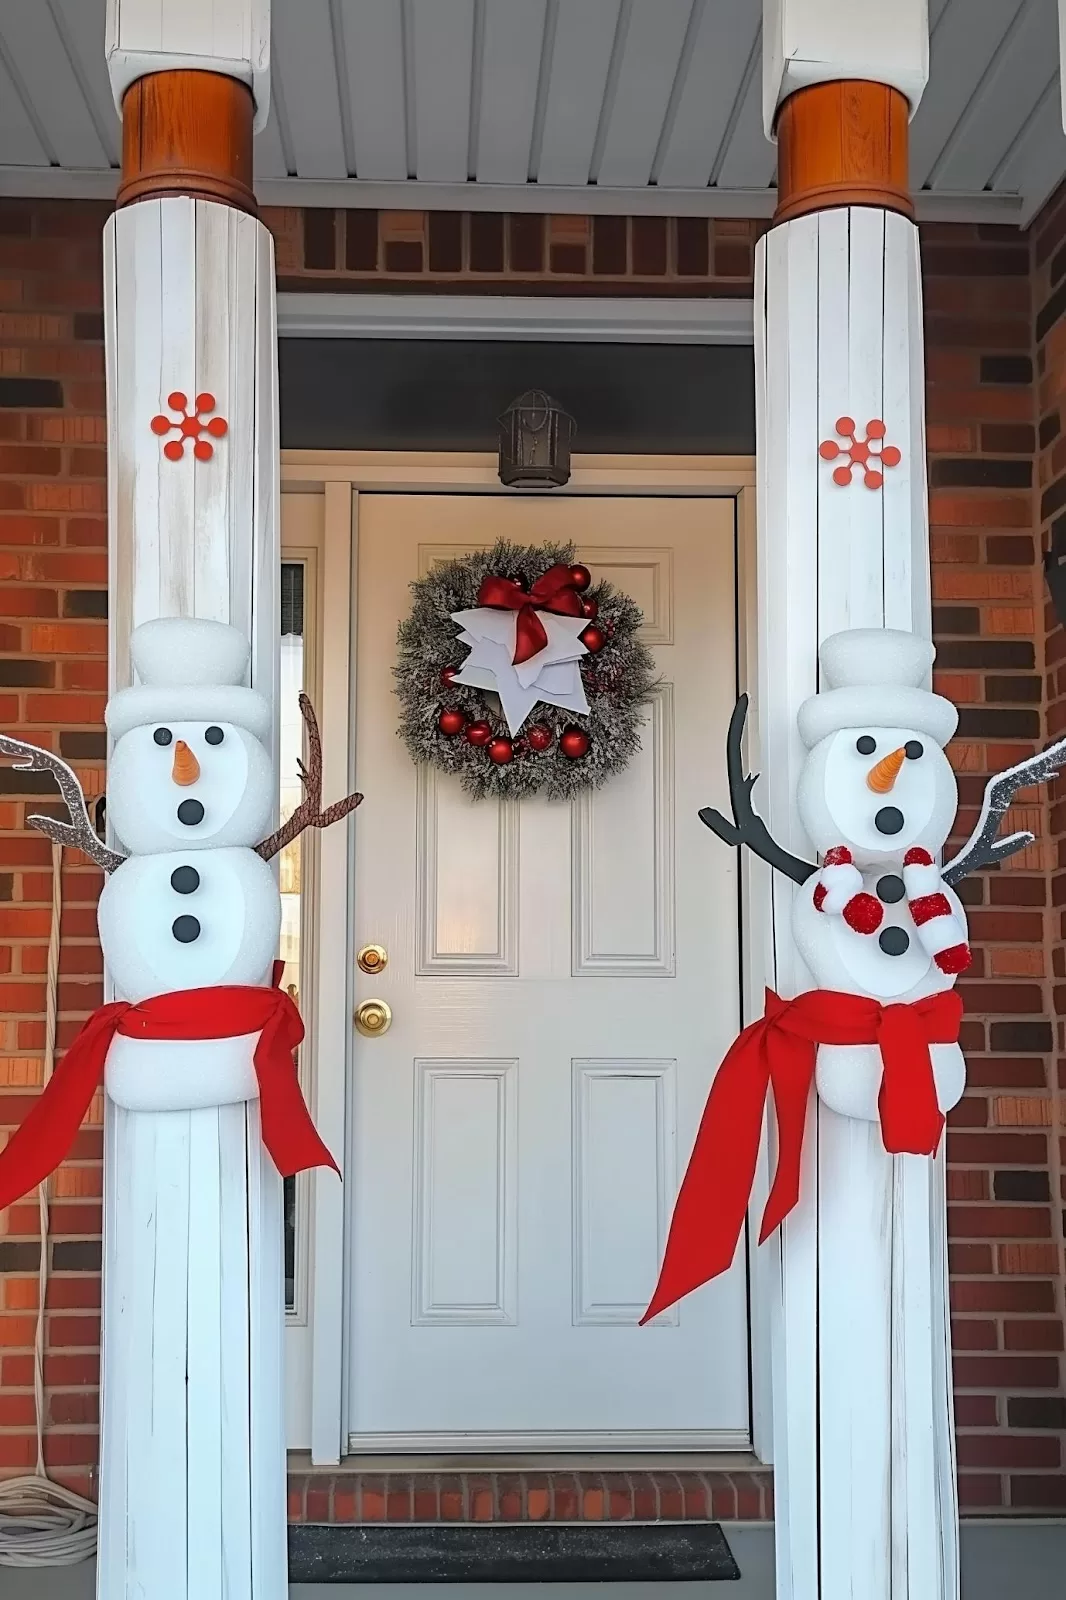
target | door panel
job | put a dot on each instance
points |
(562, 980)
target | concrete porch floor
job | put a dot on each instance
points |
(1026, 1560)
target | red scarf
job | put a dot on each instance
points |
(554, 590)
(44, 1139)
(779, 1051)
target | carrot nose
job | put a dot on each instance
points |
(186, 768)
(881, 778)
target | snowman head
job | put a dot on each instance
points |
(188, 770)
(876, 779)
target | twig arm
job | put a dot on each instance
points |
(747, 826)
(309, 813)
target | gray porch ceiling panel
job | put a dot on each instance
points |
(605, 105)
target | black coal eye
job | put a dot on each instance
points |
(866, 746)
(913, 749)
(162, 736)
(214, 736)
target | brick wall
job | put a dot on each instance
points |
(1005, 1232)
(53, 680)
(994, 642)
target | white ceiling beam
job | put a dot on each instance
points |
(510, 74)
(37, 61)
(377, 92)
(649, 67)
(965, 38)
(442, 56)
(720, 53)
(60, 183)
(1000, 103)
(581, 60)
(306, 67)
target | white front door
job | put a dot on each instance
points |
(563, 983)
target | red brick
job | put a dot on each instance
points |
(1008, 1450)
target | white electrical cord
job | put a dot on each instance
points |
(43, 1524)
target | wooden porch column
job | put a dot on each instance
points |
(863, 1430)
(192, 1484)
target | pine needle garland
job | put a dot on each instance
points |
(618, 681)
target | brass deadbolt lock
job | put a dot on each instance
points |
(372, 958)
(373, 1017)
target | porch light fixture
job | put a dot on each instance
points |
(1055, 575)
(535, 435)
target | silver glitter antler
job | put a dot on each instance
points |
(984, 846)
(79, 831)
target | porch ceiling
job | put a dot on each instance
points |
(604, 105)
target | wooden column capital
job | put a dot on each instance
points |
(187, 132)
(842, 143)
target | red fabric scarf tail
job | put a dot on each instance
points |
(226, 1012)
(780, 1051)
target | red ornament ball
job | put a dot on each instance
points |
(451, 722)
(580, 577)
(448, 674)
(539, 736)
(593, 638)
(479, 733)
(501, 751)
(574, 743)
(590, 608)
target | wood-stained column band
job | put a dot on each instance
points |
(187, 132)
(842, 144)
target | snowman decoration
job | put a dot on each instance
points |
(879, 926)
(206, 1114)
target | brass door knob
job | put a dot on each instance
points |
(372, 958)
(373, 1017)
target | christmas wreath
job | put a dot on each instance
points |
(520, 675)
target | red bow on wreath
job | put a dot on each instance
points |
(555, 590)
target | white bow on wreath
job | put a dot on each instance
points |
(552, 675)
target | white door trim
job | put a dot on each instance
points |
(492, 316)
(340, 476)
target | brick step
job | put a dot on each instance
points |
(518, 1496)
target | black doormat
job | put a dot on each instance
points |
(572, 1553)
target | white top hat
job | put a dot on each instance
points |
(874, 678)
(190, 670)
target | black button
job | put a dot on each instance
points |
(191, 812)
(889, 889)
(162, 736)
(184, 880)
(185, 929)
(913, 749)
(216, 736)
(866, 746)
(888, 820)
(894, 941)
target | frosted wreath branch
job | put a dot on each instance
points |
(308, 813)
(747, 826)
(983, 848)
(79, 832)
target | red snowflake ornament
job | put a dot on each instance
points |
(869, 453)
(190, 425)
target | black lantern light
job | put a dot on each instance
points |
(1055, 574)
(535, 435)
